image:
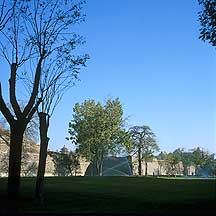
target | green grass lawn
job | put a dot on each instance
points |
(118, 194)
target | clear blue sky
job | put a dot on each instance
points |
(148, 54)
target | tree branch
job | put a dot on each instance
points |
(4, 19)
(5, 111)
(33, 110)
(35, 88)
(12, 82)
(4, 139)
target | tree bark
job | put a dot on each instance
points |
(98, 168)
(44, 124)
(16, 139)
(185, 170)
(101, 166)
(146, 168)
(139, 161)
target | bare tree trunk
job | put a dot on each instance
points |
(146, 168)
(98, 168)
(139, 161)
(44, 124)
(185, 171)
(16, 139)
(101, 166)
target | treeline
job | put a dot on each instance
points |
(196, 162)
(203, 162)
(99, 131)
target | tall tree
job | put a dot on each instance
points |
(210, 166)
(207, 18)
(185, 157)
(143, 144)
(201, 158)
(171, 164)
(37, 34)
(149, 148)
(97, 130)
(59, 73)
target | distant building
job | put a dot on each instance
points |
(112, 166)
(64, 150)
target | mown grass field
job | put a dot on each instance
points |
(118, 194)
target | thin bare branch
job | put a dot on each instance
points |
(35, 88)
(4, 109)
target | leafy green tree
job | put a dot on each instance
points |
(65, 163)
(97, 130)
(149, 148)
(161, 155)
(143, 144)
(207, 18)
(210, 166)
(184, 157)
(201, 158)
(172, 164)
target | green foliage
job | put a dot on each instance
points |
(149, 148)
(142, 136)
(202, 159)
(97, 130)
(207, 18)
(143, 143)
(210, 167)
(184, 157)
(172, 164)
(65, 163)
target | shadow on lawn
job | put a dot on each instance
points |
(28, 207)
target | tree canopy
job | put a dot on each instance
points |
(143, 143)
(207, 18)
(97, 129)
(66, 163)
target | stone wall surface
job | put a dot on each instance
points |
(33, 150)
(159, 167)
(155, 167)
(32, 155)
